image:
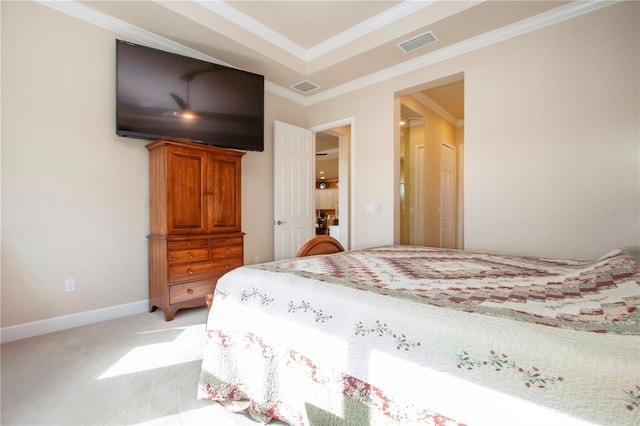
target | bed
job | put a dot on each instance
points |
(417, 335)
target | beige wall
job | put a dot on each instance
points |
(75, 197)
(552, 138)
(374, 171)
(551, 141)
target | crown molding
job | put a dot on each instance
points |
(147, 38)
(133, 33)
(365, 27)
(286, 93)
(524, 26)
(257, 28)
(139, 35)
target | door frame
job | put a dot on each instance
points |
(345, 184)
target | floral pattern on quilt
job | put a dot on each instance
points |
(305, 370)
(633, 398)
(382, 329)
(532, 377)
(303, 306)
(498, 362)
(574, 294)
(255, 294)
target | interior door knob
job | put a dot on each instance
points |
(280, 222)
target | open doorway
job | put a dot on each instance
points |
(332, 182)
(412, 178)
(431, 164)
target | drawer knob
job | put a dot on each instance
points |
(189, 255)
(227, 252)
(228, 266)
(190, 290)
(190, 271)
(188, 243)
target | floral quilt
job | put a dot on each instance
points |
(417, 335)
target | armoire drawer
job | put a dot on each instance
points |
(226, 241)
(188, 243)
(190, 255)
(190, 290)
(191, 271)
(200, 270)
(228, 251)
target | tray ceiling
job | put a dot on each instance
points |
(337, 46)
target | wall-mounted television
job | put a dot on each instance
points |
(165, 95)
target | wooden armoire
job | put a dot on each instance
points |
(195, 227)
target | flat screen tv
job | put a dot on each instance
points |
(164, 95)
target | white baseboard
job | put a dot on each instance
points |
(37, 328)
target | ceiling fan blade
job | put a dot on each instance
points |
(181, 103)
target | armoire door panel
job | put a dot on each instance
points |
(187, 209)
(223, 194)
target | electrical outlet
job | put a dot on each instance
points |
(70, 285)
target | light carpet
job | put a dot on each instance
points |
(136, 370)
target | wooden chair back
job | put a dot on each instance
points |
(321, 244)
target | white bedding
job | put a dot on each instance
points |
(416, 335)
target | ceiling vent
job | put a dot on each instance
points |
(305, 87)
(417, 42)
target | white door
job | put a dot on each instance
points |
(448, 197)
(294, 189)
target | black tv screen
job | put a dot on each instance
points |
(164, 95)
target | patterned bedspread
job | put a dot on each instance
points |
(416, 335)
